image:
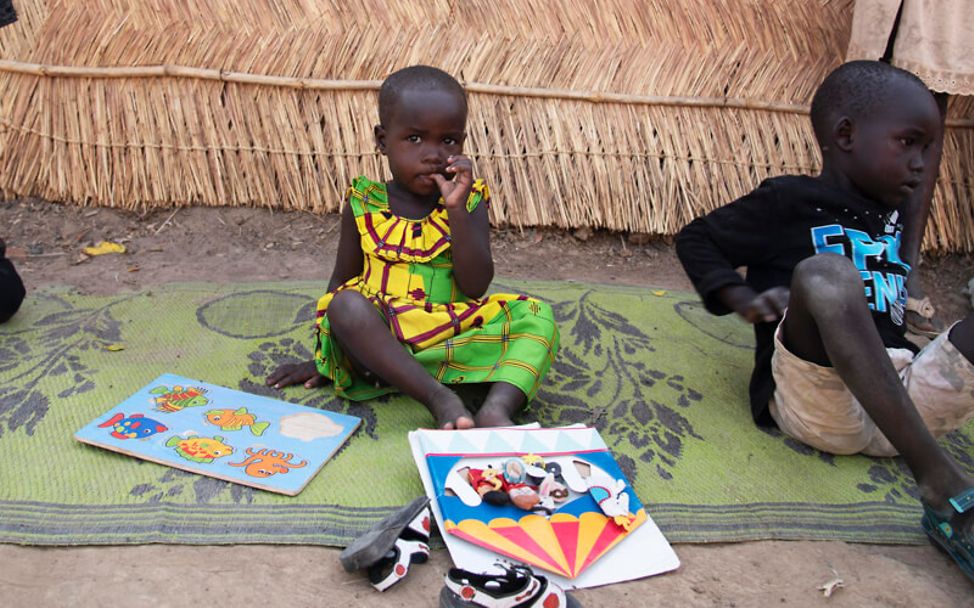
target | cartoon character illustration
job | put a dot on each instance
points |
(489, 484)
(264, 463)
(612, 498)
(552, 492)
(177, 398)
(136, 426)
(200, 449)
(514, 470)
(523, 496)
(234, 420)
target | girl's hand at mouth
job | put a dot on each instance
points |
(455, 191)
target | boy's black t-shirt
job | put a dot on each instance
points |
(782, 222)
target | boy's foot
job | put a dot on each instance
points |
(449, 411)
(296, 373)
(948, 514)
(921, 319)
(952, 529)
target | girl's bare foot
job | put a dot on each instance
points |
(503, 401)
(449, 411)
(296, 373)
(492, 417)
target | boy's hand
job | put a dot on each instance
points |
(767, 306)
(754, 307)
(456, 191)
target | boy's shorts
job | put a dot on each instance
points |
(813, 405)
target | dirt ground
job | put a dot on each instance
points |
(234, 245)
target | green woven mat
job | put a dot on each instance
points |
(664, 382)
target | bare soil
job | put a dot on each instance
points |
(235, 245)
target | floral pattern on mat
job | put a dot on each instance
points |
(663, 382)
(629, 401)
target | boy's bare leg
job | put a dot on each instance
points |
(502, 402)
(829, 323)
(366, 339)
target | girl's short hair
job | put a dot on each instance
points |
(422, 77)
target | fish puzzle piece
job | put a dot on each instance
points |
(178, 398)
(235, 420)
(200, 449)
(266, 462)
(136, 426)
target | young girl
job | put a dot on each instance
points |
(405, 308)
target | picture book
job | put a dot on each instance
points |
(223, 433)
(554, 499)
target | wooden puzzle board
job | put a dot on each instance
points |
(223, 433)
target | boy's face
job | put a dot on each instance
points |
(426, 128)
(891, 151)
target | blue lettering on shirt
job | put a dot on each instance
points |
(884, 291)
(863, 247)
(820, 238)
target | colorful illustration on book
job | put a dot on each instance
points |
(176, 398)
(560, 508)
(235, 420)
(200, 449)
(136, 426)
(264, 463)
(256, 440)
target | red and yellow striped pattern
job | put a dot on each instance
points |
(408, 275)
(563, 544)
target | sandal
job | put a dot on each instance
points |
(392, 545)
(922, 321)
(946, 538)
(516, 587)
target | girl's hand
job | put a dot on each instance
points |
(456, 191)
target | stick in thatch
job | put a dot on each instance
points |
(624, 114)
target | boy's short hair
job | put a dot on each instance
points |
(854, 89)
(422, 77)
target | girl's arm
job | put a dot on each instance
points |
(348, 263)
(473, 266)
(348, 260)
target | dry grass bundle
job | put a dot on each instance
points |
(631, 115)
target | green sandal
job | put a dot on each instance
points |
(950, 540)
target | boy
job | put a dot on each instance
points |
(837, 372)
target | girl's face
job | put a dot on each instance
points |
(426, 128)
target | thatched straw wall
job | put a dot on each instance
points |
(632, 115)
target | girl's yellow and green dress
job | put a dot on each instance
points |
(408, 275)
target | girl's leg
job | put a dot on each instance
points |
(366, 339)
(502, 402)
